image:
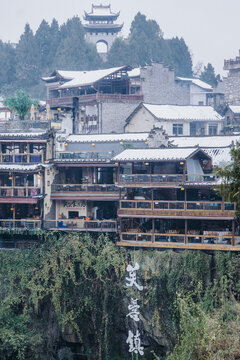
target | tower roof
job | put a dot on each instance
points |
(101, 12)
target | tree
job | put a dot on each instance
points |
(180, 57)
(28, 64)
(230, 176)
(21, 102)
(208, 75)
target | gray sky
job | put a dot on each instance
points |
(211, 28)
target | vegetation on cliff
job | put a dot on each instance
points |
(69, 296)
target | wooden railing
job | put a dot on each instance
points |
(67, 100)
(29, 224)
(178, 208)
(158, 179)
(211, 239)
(19, 191)
(86, 155)
(22, 158)
(81, 224)
(56, 188)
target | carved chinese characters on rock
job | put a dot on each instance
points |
(133, 340)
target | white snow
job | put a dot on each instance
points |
(17, 134)
(94, 138)
(197, 82)
(182, 112)
(154, 154)
(14, 167)
(235, 109)
(81, 78)
(204, 141)
(134, 72)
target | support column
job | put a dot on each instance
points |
(186, 230)
(153, 230)
(233, 232)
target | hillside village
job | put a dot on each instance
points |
(127, 151)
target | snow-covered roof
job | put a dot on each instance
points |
(197, 82)
(204, 141)
(14, 167)
(235, 109)
(22, 134)
(83, 78)
(184, 112)
(134, 72)
(155, 154)
(101, 10)
(94, 138)
(220, 156)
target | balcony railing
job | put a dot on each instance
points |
(29, 224)
(210, 239)
(82, 225)
(22, 158)
(158, 179)
(68, 100)
(86, 155)
(56, 188)
(19, 191)
(176, 208)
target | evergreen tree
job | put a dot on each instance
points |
(73, 52)
(208, 75)
(7, 64)
(43, 43)
(180, 57)
(28, 59)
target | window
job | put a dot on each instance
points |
(177, 129)
(212, 130)
(193, 129)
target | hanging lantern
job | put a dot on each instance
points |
(36, 208)
(182, 189)
(93, 145)
(116, 163)
(10, 178)
(147, 163)
(181, 163)
(146, 142)
(65, 144)
(12, 209)
(121, 143)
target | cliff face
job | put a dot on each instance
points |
(70, 297)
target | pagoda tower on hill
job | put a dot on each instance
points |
(100, 27)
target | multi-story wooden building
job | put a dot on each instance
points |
(170, 201)
(25, 150)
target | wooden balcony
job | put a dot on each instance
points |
(181, 241)
(93, 98)
(24, 224)
(22, 158)
(84, 192)
(81, 225)
(87, 155)
(164, 180)
(19, 194)
(177, 209)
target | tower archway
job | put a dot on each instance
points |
(102, 46)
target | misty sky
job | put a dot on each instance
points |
(209, 27)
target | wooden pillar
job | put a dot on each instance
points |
(153, 230)
(233, 232)
(186, 230)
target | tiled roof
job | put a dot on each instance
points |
(154, 154)
(197, 82)
(181, 112)
(94, 138)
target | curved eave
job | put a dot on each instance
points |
(103, 27)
